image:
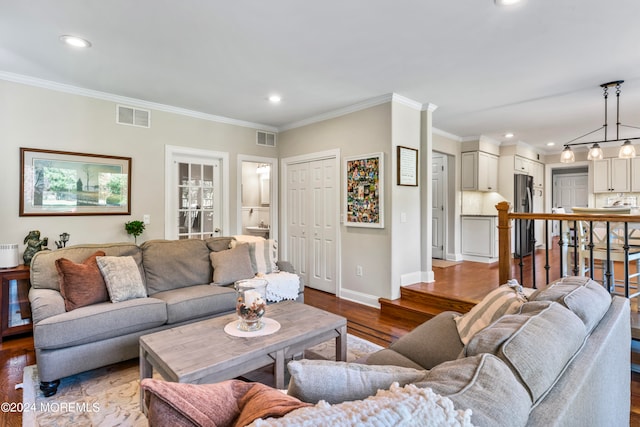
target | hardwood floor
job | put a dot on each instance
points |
(469, 279)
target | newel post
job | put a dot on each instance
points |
(504, 242)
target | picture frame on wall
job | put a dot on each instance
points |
(407, 166)
(61, 183)
(364, 190)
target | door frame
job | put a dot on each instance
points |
(304, 158)
(170, 187)
(273, 184)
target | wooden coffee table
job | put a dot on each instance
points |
(202, 352)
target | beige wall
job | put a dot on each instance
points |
(36, 117)
(362, 132)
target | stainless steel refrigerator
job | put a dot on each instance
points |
(523, 202)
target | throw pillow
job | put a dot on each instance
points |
(81, 284)
(227, 403)
(122, 277)
(264, 255)
(336, 382)
(506, 299)
(231, 265)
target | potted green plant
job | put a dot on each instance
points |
(134, 227)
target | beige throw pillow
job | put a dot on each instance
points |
(122, 278)
(506, 299)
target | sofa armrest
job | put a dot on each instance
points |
(45, 303)
(286, 266)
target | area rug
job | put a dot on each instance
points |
(109, 396)
(441, 263)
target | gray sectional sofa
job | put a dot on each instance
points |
(177, 276)
(561, 357)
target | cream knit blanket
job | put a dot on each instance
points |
(407, 406)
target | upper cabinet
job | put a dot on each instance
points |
(530, 167)
(635, 174)
(611, 175)
(479, 171)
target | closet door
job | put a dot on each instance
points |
(322, 228)
(297, 212)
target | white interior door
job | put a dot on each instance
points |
(311, 222)
(323, 227)
(438, 182)
(570, 190)
(297, 194)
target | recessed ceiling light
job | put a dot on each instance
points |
(75, 41)
(505, 2)
(275, 99)
(508, 135)
(550, 144)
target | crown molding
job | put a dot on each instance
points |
(372, 102)
(74, 90)
(446, 134)
(406, 101)
(429, 107)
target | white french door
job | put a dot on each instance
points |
(194, 195)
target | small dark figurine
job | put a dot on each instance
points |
(62, 243)
(34, 244)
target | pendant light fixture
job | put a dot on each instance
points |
(627, 150)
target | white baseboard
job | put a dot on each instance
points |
(411, 278)
(360, 298)
(427, 276)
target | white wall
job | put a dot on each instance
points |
(35, 117)
(405, 203)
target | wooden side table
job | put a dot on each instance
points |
(14, 301)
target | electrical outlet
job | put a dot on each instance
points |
(146, 218)
(358, 270)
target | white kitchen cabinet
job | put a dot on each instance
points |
(480, 238)
(611, 175)
(538, 175)
(479, 171)
(635, 174)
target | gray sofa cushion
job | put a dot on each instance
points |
(336, 382)
(588, 299)
(44, 274)
(389, 357)
(172, 264)
(433, 342)
(197, 301)
(98, 322)
(533, 344)
(485, 385)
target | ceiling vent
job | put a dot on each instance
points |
(266, 139)
(133, 116)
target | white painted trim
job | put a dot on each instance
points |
(275, 185)
(172, 150)
(410, 278)
(446, 134)
(406, 101)
(428, 276)
(359, 297)
(339, 112)
(284, 242)
(61, 87)
(429, 107)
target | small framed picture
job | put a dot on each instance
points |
(407, 166)
(364, 184)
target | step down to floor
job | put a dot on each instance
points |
(420, 306)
